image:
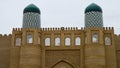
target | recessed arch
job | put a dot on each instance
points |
(62, 64)
(67, 41)
(29, 38)
(107, 41)
(77, 41)
(57, 41)
(95, 38)
(18, 41)
(47, 41)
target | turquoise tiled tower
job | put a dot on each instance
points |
(31, 17)
(93, 16)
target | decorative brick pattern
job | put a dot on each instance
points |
(31, 20)
(93, 19)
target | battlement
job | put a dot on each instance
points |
(62, 28)
(108, 28)
(17, 29)
(5, 35)
(51, 29)
(117, 35)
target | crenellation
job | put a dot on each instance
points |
(55, 28)
(112, 28)
(117, 35)
(94, 28)
(5, 35)
(17, 29)
(62, 28)
(108, 28)
(82, 28)
(103, 28)
(71, 28)
(59, 28)
(0, 35)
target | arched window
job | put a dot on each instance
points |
(29, 38)
(107, 41)
(47, 42)
(18, 41)
(67, 41)
(38, 40)
(95, 38)
(57, 41)
(77, 41)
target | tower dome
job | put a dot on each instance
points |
(93, 16)
(31, 8)
(93, 7)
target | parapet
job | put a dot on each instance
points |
(61, 29)
(108, 28)
(117, 35)
(5, 35)
(104, 28)
(17, 29)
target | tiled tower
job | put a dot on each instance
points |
(93, 16)
(99, 51)
(25, 49)
(31, 17)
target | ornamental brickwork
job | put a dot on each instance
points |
(77, 48)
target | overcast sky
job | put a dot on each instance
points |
(57, 13)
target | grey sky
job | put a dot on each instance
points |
(57, 13)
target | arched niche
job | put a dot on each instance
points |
(47, 41)
(67, 41)
(62, 64)
(29, 38)
(77, 41)
(57, 41)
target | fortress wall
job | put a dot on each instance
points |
(5, 43)
(117, 43)
(20, 53)
(110, 49)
